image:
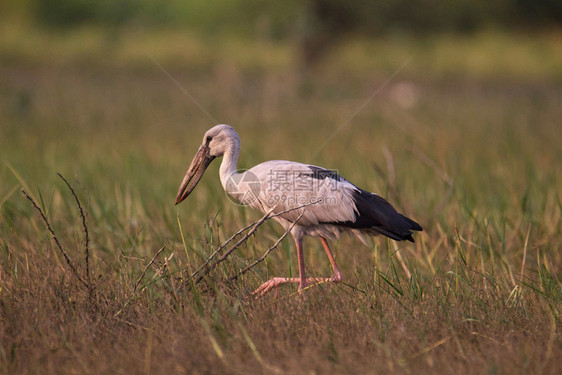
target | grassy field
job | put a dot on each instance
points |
(466, 140)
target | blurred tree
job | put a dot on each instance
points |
(323, 21)
(68, 13)
(326, 21)
(533, 12)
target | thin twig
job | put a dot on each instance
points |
(246, 236)
(234, 247)
(146, 268)
(138, 282)
(54, 236)
(262, 258)
(254, 226)
(86, 234)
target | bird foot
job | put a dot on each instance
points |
(276, 281)
(272, 283)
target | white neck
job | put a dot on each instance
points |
(228, 164)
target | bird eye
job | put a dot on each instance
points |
(208, 140)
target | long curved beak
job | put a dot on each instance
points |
(199, 164)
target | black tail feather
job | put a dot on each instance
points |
(413, 224)
(375, 214)
(392, 235)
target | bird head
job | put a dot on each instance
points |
(217, 141)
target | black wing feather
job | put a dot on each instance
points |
(374, 213)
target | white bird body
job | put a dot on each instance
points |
(293, 187)
(312, 200)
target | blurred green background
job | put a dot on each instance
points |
(82, 89)
(87, 29)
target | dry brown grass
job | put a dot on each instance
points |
(58, 328)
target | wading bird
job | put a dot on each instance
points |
(311, 200)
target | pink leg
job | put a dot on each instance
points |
(302, 279)
(300, 256)
(337, 274)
